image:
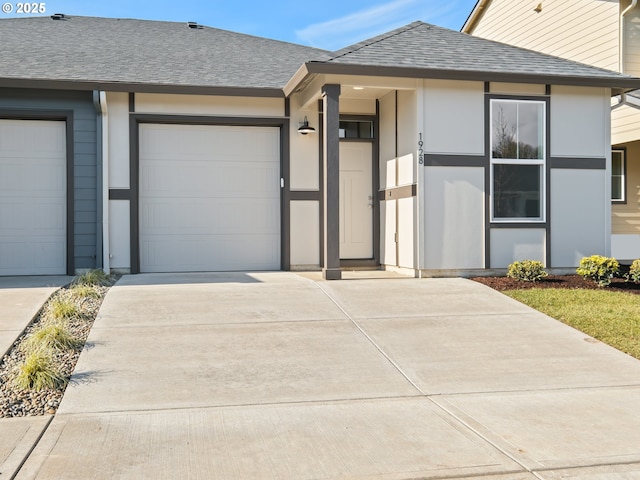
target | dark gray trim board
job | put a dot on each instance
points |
(578, 163)
(67, 117)
(140, 88)
(440, 160)
(136, 119)
(305, 195)
(331, 181)
(519, 225)
(616, 84)
(132, 102)
(119, 194)
(396, 193)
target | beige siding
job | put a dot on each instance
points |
(626, 217)
(584, 31)
(625, 125)
(632, 42)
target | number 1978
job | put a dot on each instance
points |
(31, 7)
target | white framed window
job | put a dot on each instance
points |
(518, 151)
(618, 176)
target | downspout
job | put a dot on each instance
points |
(621, 40)
(106, 257)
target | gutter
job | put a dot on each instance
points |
(104, 112)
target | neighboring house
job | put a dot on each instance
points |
(602, 33)
(146, 146)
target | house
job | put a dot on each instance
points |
(144, 146)
(602, 33)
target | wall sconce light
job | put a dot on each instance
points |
(305, 128)
(538, 9)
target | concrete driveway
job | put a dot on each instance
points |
(279, 376)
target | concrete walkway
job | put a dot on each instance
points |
(20, 301)
(279, 376)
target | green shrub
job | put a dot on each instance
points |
(92, 277)
(62, 309)
(634, 272)
(527, 271)
(38, 372)
(599, 269)
(54, 335)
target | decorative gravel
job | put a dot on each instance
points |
(20, 403)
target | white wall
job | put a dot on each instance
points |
(454, 117)
(208, 105)
(454, 217)
(509, 245)
(304, 149)
(305, 233)
(579, 121)
(579, 211)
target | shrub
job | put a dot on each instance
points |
(54, 335)
(92, 277)
(599, 269)
(527, 271)
(634, 272)
(38, 372)
(62, 309)
(84, 291)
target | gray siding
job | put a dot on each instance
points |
(86, 213)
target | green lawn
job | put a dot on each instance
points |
(611, 317)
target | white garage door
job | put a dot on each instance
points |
(209, 198)
(33, 181)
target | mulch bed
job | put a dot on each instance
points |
(557, 281)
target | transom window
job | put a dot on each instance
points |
(618, 169)
(517, 160)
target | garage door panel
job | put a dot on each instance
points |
(32, 197)
(210, 180)
(192, 252)
(209, 198)
(194, 142)
(42, 137)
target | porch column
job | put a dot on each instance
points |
(331, 187)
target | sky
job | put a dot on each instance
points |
(326, 24)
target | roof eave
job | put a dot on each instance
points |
(298, 78)
(618, 85)
(50, 84)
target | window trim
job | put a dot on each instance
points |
(542, 163)
(623, 185)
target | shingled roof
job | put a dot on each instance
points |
(142, 55)
(422, 50)
(119, 52)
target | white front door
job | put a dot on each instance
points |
(356, 200)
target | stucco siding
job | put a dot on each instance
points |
(304, 170)
(454, 218)
(509, 245)
(584, 31)
(85, 208)
(208, 105)
(578, 215)
(305, 233)
(579, 125)
(454, 117)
